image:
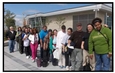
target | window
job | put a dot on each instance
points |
(36, 22)
(108, 21)
(83, 19)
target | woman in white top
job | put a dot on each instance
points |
(34, 43)
(26, 43)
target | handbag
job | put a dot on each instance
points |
(65, 51)
(87, 66)
(38, 61)
(56, 54)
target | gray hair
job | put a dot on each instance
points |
(11, 27)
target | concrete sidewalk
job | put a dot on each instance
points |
(18, 62)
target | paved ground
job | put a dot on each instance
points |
(18, 62)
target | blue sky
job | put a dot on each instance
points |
(19, 9)
(29, 8)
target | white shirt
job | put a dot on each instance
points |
(60, 36)
(11, 32)
(54, 41)
(65, 39)
(26, 41)
(32, 38)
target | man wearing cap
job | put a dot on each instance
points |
(76, 56)
(60, 36)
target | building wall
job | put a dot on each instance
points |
(69, 19)
(101, 15)
(68, 22)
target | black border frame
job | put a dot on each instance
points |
(57, 10)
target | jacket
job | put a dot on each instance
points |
(99, 42)
(11, 35)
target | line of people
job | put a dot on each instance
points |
(74, 49)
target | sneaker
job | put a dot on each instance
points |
(27, 57)
(61, 66)
(67, 67)
(70, 68)
(33, 61)
(49, 61)
(31, 58)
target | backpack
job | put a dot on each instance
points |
(55, 62)
(44, 63)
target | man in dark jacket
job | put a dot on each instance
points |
(11, 37)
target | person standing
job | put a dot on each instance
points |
(67, 51)
(30, 33)
(50, 44)
(54, 38)
(11, 37)
(19, 31)
(101, 40)
(47, 47)
(20, 37)
(60, 36)
(42, 35)
(85, 47)
(26, 44)
(34, 43)
(77, 55)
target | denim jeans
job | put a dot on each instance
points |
(102, 62)
(11, 45)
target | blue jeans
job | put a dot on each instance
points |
(102, 62)
(11, 45)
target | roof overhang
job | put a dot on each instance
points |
(73, 10)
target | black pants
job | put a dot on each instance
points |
(45, 56)
(28, 51)
(41, 53)
(48, 54)
(21, 47)
(67, 57)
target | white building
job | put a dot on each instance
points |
(72, 16)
